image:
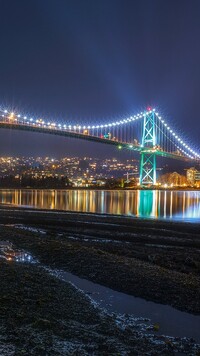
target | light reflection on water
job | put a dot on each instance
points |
(141, 203)
(9, 253)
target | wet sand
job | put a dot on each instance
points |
(158, 261)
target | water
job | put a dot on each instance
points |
(10, 253)
(172, 322)
(179, 205)
(141, 203)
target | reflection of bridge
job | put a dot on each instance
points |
(146, 133)
(141, 203)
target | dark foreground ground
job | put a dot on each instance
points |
(41, 315)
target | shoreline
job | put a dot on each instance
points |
(163, 220)
(178, 189)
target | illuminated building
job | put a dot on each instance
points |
(193, 176)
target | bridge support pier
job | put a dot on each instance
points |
(148, 155)
(147, 168)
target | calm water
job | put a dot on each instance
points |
(180, 205)
(172, 322)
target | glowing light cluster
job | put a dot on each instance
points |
(179, 140)
(71, 127)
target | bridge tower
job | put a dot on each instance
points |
(148, 155)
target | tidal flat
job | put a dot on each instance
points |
(44, 315)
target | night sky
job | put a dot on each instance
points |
(98, 60)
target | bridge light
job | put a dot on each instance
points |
(18, 115)
(25, 117)
(5, 111)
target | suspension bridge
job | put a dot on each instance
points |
(147, 133)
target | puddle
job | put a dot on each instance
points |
(9, 253)
(171, 321)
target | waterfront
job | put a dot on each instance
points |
(173, 205)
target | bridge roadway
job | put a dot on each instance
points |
(73, 134)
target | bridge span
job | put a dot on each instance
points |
(146, 133)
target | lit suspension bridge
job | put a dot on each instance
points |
(147, 133)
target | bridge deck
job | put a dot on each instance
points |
(73, 134)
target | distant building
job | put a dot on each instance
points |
(193, 176)
(173, 179)
(197, 176)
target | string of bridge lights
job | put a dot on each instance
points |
(179, 139)
(177, 146)
(53, 125)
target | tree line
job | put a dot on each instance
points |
(32, 182)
